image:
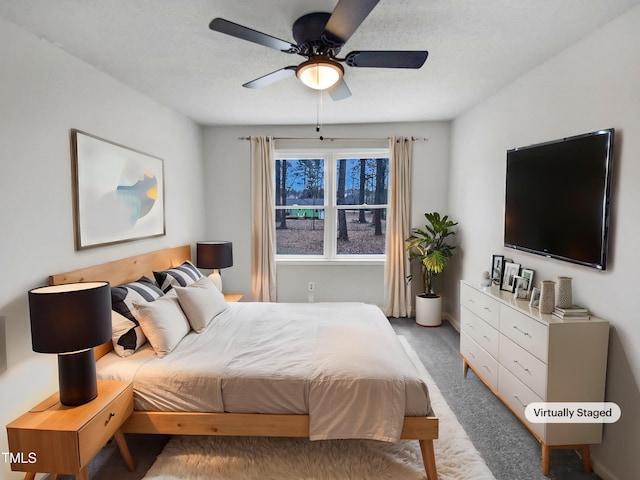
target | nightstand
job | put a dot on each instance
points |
(233, 297)
(59, 439)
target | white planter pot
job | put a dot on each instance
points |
(428, 311)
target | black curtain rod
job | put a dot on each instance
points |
(337, 139)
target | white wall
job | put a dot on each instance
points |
(592, 85)
(228, 205)
(44, 92)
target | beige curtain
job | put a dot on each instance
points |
(263, 235)
(397, 297)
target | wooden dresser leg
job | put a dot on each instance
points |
(124, 450)
(586, 458)
(546, 459)
(465, 367)
(429, 459)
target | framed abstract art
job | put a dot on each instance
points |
(118, 192)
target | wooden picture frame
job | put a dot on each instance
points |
(118, 192)
(510, 272)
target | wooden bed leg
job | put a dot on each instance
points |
(429, 459)
(586, 458)
(546, 459)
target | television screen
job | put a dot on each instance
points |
(558, 198)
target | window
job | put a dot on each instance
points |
(331, 205)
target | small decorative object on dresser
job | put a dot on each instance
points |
(485, 280)
(564, 295)
(547, 296)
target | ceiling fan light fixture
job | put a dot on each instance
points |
(320, 73)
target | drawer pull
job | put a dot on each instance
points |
(522, 367)
(526, 334)
(111, 415)
(487, 309)
(519, 401)
(470, 326)
(486, 338)
(472, 355)
(486, 368)
(471, 301)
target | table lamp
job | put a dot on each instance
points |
(214, 255)
(70, 320)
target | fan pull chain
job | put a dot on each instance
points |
(318, 110)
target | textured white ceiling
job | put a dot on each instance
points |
(164, 49)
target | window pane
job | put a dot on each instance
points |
(361, 181)
(299, 182)
(300, 231)
(357, 237)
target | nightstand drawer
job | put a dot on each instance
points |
(97, 432)
(482, 305)
(484, 334)
(525, 331)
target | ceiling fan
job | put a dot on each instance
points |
(319, 37)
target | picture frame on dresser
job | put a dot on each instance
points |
(497, 262)
(528, 274)
(510, 272)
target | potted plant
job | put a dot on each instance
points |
(430, 245)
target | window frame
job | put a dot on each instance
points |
(330, 157)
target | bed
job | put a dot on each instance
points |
(316, 405)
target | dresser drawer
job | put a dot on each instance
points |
(481, 304)
(527, 368)
(97, 432)
(484, 364)
(484, 334)
(525, 331)
(518, 396)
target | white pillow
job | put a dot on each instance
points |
(163, 323)
(201, 302)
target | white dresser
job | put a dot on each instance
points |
(524, 356)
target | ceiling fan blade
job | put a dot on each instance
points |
(270, 78)
(347, 17)
(339, 91)
(245, 33)
(387, 59)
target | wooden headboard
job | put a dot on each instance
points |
(124, 271)
(127, 269)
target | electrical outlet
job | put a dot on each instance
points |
(311, 287)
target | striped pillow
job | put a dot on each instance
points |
(126, 333)
(180, 276)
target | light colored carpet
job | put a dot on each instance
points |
(251, 458)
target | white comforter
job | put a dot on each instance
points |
(339, 362)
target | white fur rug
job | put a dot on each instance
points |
(252, 458)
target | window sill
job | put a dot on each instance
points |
(323, 262)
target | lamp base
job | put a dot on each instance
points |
(216, 278)
(77, 377)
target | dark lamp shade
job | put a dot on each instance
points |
(71, 317)
(214, 255)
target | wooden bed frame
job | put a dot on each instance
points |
(423, 429)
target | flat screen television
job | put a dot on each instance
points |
(558, 197)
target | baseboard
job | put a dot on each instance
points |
(449, 318)
(601, 470)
